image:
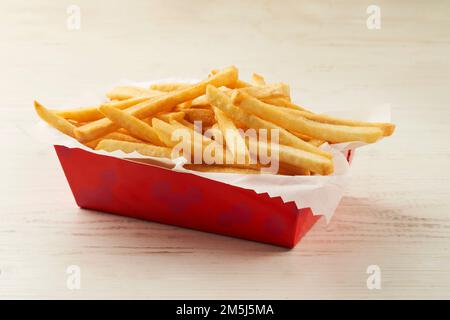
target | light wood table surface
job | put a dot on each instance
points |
(395, 215)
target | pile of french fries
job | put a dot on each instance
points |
(148, 121)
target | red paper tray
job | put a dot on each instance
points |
(157, 194)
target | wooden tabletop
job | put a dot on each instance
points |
(395, 216)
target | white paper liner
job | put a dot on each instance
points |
(320, 193)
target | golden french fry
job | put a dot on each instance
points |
(300, 159)
(167, 87)
(127, 147)
(220, 169)
(54, 120)
(234, 142)
(188, 124)
(224, 103)
(127, 92)
(283, 102)
(387, 128)
(165, 132)
(133, 125)
(180, 138)
(206, 116)
(113, 136)
(157, 104)
(169, 116)
(289, 170)
(85, 114)
(258, 80)
(237, 84)
(184, 105)
(271, 91)
(92, 113)
(316, 142)
(200, 101)
(330, 132)
(195, 134)
(267, 91)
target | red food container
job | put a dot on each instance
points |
(158, 194)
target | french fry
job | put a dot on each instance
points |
(173, 135)
(127, 92)
(136, 127)
(92, 113)
(223, 102)
(283, 102)
(234, 142)
(237, 84)
(220, 169)
(267, 91)
(164, 131)
(272, 91)
(169, 116)
(330, 132)
(300, 160)
(316, 142)
(157, 104)
(184, 105)
(192, 131)
(113, 136)
(200, 102)
(128, 147)
(289, 170)
(258, 80)
(54, 120)
(387, 128)
(188, 124)
(206, 116)
(167, 87)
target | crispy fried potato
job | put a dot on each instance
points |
(92, 113)
(237, 84)
(206, 116)
(179, 138)
(387, 128)
(164, 131)
(54, 120)
(169, 116)
(133, 125)
(318, 130)
(128, 147)
(267, 91)
(113, 136)
(188, 124)
(234, 142)
(258, 80)
(170, 86)
(224, 103)
(157, 104)
(316, 142)
(194, 133)
(220, 169)
(272, 91)
(127, 92)
(283, 102)
(301, 160)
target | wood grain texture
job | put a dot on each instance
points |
(396, 214)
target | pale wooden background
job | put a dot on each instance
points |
(395, 215)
